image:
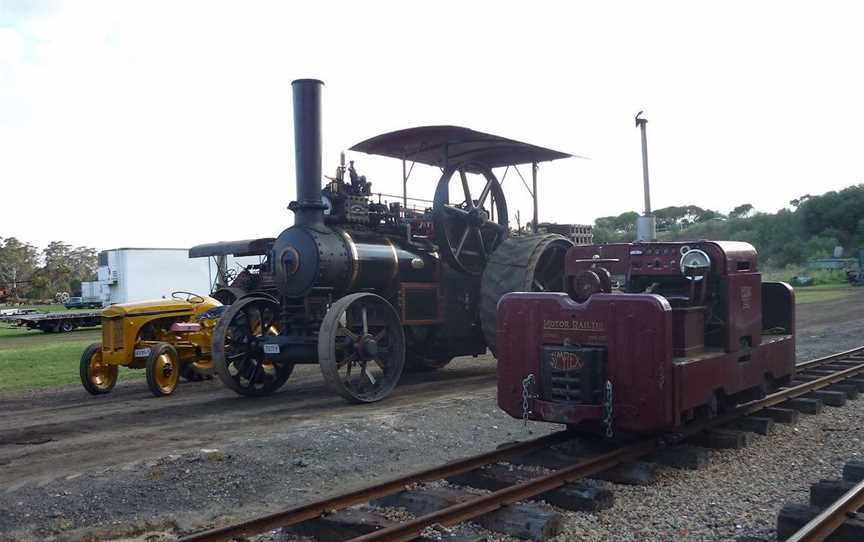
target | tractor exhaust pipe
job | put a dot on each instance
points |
(308, 208)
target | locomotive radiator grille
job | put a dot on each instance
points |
(566, 386)
(573, 374)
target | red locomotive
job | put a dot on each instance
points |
(648, 337)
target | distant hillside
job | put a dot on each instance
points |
(810, 228)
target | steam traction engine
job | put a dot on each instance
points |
(364, 287)
(692, 330)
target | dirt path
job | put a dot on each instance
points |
(130, 424)
(115, 455)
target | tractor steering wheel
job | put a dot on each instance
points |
(188, 296)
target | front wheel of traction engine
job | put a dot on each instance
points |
(361, 348)
(163, 369)
(238, 352)
(97, 377)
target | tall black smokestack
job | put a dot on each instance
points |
(308, 209)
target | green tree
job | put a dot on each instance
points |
(742, 211)
(18, 263)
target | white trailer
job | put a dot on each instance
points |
(127, 275)
(91, 292)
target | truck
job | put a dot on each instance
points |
(53, 322)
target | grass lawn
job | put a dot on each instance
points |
(33, 359)
(822, 292)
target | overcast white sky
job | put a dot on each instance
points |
(169, 123)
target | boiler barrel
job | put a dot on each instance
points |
(379, 263)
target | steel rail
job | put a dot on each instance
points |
(773, 399)
(821, 527)
(467, 510)
(471, 509)
(292, 516)
(826, 359)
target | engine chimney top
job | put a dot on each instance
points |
(308, 208)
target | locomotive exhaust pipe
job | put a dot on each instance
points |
(308, 208)
(646, 225)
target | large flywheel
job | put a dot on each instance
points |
(521, 264)
(469, 226)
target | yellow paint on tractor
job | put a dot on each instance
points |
(167, 337)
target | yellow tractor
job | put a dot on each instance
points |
(169, 338)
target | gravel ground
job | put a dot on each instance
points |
(250, 476)
(302, 458)
(739, 493)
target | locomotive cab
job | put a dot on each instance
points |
(689, 330)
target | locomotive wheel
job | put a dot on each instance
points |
(163, 369)
(97, 377)
(361, 347)
(464, 231)
(521, 264)
(238, 354)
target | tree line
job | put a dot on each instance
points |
(29, 273)
(810, 227)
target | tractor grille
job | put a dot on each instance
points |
(112, 334)
(573, 374)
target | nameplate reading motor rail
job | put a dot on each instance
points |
(574, 325)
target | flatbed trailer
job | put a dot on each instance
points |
(55, 322)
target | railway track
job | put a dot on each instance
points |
(825, 377)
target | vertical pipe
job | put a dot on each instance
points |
(646, 225)
(308, 209)
(642, 124)
(534, 193)
(404, 187)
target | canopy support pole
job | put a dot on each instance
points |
(534, 192)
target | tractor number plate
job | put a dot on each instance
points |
(142, 352)
(271, 348)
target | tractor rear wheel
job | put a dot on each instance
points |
(163, 369)
(97, 377)
(521, 264)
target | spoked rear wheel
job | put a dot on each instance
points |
(238, 352)
(361, 348)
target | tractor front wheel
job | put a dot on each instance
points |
(163, 369)
(97, 376)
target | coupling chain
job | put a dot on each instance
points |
(527, 382)
(607, 410)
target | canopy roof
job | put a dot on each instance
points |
(246, 247)
(450, 145)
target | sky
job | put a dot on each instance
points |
(168, 124)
